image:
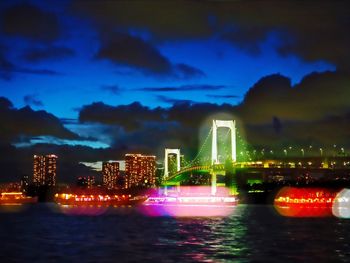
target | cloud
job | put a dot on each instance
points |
(132, 51)
(32, 100)
(114, 89)
(166, 19)
(313, 31)
(318, 95)
(47, 53)
(274, 113)
(5, 103)
(173, 100)
(218, 96)
(184, 71)
(27, 123)
(128, 116)
(184, 88)
(29, 21)
(7, 69)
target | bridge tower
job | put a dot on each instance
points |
(166, 163)
(166, 166)
(214, 149)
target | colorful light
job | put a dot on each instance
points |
(191, 202)
(341, 204)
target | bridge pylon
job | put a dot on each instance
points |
(231, 124)
(166, 162)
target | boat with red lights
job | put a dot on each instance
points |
(98, 199)
(16, 198)
(304, 202)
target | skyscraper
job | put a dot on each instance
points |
(45, 169)
(139, 170)
(110, 174)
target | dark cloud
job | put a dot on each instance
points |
(27, 123)
(322, 133)
(173, 100)
(132, 51)
(246, 38)
(32, 100)
(274, 114)
(184, 71)
(134, 116)
(29, 21)
(318, 95)
(218, 96)
(165, 19)
(7, 69)
(114, 89)
(128, 116)
(312, 30)
(5, 103)
(183, 88)
(47, 53)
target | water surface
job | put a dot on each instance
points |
(41, 233)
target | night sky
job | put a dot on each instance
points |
(92, 80)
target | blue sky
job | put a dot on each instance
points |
(81, 78)
(70, 72)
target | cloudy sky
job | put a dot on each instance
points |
(92, 80)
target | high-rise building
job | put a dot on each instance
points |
(86, 181)
(110, 174)
(140, 170)
(45, 169)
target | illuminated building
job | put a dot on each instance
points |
(45, 169)
(110, 174)
(140, 170)
(86, 181)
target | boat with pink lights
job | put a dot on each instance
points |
(189, 206)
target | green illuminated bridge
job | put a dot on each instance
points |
(214, 167)
(214, 164)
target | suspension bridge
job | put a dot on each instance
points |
(218, 153)
(201, 163)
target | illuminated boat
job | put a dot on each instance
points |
(98, 199)
(189, 206)
(304, 202)
(16, 198)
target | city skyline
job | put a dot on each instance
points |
(94, 85)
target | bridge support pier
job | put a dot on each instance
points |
(213, 183)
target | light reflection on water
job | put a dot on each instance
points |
(253, 233)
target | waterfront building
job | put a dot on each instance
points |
(110, 174)
(45, 169)
(86, 181)
(140, 170)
